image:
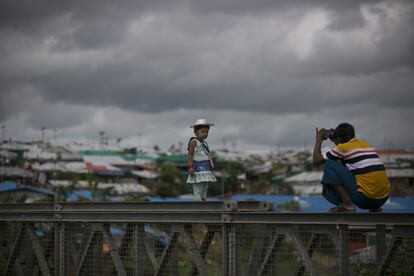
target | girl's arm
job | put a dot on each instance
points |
(191, 147)
(210, 158)
(211, 161)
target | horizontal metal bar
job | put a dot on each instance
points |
(27, 216)
(144, 217)
(26, 207)
(142, 206)
(320, 218)
(211, 217)
(178, 206)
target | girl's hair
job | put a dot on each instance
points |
(196, 128)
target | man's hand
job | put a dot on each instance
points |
(320, 134)
(317, 154)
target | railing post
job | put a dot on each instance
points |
(59, 248)
(225, 257)
(381, 244)
(230, 251)
(97, 254)
(139, 248)
(28, 253)
(343, 249)
(174, 252)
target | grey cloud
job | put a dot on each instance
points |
(94, 24)
(260, 6)
(346, 19)
(261, 59)
(247, 129)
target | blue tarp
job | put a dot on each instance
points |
(162, 237)
(77, 195)
(87, 195)
(9, 186)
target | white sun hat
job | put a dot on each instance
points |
(201, 122)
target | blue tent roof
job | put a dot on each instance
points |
(76, 195)
(87, 195)
(9, 186)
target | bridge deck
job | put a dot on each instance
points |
(205, 238)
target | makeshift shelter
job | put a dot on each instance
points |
(10, 191)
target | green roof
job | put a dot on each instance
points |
(176, 158)
(132, 157)
(125, 156)
(101, 152)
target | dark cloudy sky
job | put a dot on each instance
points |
(266, 72)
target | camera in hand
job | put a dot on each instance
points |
(330, 133)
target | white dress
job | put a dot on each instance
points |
(201, 166)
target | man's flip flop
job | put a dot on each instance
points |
(342, 209)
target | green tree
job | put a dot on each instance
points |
(98, 193)
(171, 181)
(228, 179)
(62, 192)
(303, 158)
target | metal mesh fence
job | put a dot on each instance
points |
(28, 248)
(321, 250)
(132, 248)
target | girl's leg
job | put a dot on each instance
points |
(197, 191)
(204, 191)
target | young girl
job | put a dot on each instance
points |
(200, 164)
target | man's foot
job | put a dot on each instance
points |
(343, 209)
(378, 210)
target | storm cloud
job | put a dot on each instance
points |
(266, 71)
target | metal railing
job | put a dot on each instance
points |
(200, 238)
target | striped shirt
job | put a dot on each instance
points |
(362, 160)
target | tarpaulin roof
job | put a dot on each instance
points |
(14, 172)
(305, 177)
(118, 188)
(117, 158)
(146, 174)
(13, 187)
(8, 154)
